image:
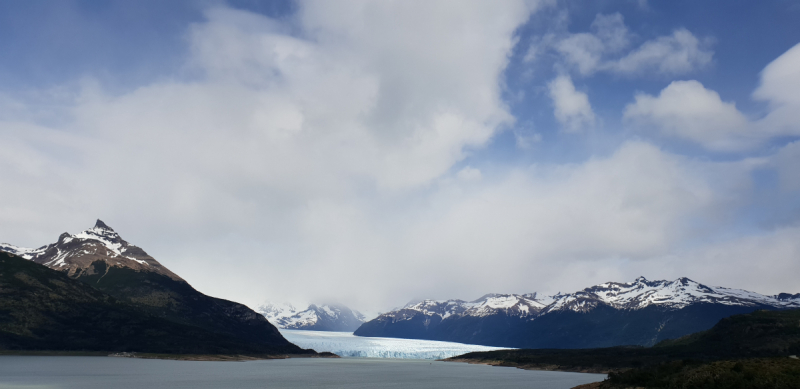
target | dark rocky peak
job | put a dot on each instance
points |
(103, 232)
(103, 226)
(688, 282)
(788, 296)
(642, 281)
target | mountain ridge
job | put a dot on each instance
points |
(683, 292)
(641, 312)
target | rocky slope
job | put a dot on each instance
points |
(100, 258)
(322, 317)
(642, 312)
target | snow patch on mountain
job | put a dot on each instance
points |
(322, 317)
(100, 234)
(277, 312)
(640, 293)
(22, 252)
(675, 294)
(75, 253)
(108, 238)
(490, 304)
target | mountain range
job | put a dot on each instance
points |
(112, 282)
(641, 312)
(322, 317)
(95, 291)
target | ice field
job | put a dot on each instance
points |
(346, 344)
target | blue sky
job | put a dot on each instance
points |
(526, 146)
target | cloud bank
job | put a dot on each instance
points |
(326, 156)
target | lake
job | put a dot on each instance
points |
(34, 372)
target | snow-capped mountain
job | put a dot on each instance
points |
(322, 317)
(101, 259)
(676, 294)
(638, 294)
(639, 312)
(75, 254)
(491, 304)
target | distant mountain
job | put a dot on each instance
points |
(323, 317)
(100, 258)
(638, 313)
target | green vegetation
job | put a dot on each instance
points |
(754, 373)
(742, 351)
(754, 335)
(178, 302)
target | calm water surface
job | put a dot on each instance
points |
(120, 373)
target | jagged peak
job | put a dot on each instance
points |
(102, 226)
(100, 231)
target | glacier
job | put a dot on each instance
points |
(345, 344)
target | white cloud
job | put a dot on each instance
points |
(611, 30)
(469, 173)
(572, 108)
(687, 110)
(679, 53)
(526, 140)
(521, 230)
(786, 162)
(764, 262)
(780, 81)
(603, 49)
(583, 51)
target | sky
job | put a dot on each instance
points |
(376, 152)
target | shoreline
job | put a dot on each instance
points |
(164, 356)
(531, 366)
